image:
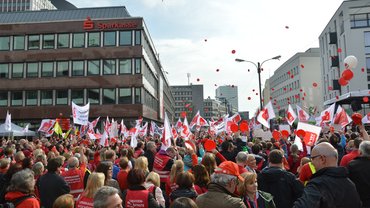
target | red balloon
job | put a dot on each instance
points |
(233, 51)
(342, 81)
(363, 69)
(347, 74)
(337, 97)
(285, 133)
(198, 79)
(253, 90)
(357, 117)
(244, 126)
(272, 89)
(330, 88)
(209, 145)
(314, 84)
(286, 27)
(183, 114)
(339, 50)
(249, 98)
(234, 128)
(276, 135)
(217, 70)
(302, 66)
(365, 99)
(292, 76)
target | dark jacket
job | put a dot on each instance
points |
(359, 172)
(150, 156)
(282, 184)
(218, 196)
(152, 203)
(51, 186)
(264, 200)
(329, 188)
(188, 193)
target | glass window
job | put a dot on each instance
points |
(110, 38)
(47, 97)
(4, 70)
(78, 40)
(62, 97)
(18, 42)
(77, 96)
(109, 96)
(33, 42)
(125, 96)
(4, 43)
(125, 38)
(62, 69)
(93, 96)
(137, 95)
(137, 37)
(3, 98)
(109, 67)
(32, 70)
(31, 98)
(17, 71)
(48, 41)
(125, 66)
(47, 69)
(17, 98)
(94, 39)
(93, 67)
(138, 66)
(63, 41)
(77, 68)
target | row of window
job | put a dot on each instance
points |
(70, 68)
(288, 100)
(286, 76)
(70, 40)
(183, 98)
(183, 93)
(291, 86)
(360, 20)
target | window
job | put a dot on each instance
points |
(125, 96)
(31, 98)
(62, 69)
(78, 40)
(77, 96)
(367, 42)
(47, 69)
(109, 67)
(93, 67)
(125, 66)
(62, 97)
(77, 68)
(4, 71)
(63, 41)
(138, 66)
(109, 96)
(17, 71)
(3, 98)
(4, 43)
(93, 96)
(137, 95)
(33, 42)
(359, 20)
(110, 38)
(137, 37)
(32, 70)
(125, 38)
(94, 39)
(47, 97)
(17, 98)
(48, 41)
(18, 43)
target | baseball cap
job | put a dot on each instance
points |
(229, 168)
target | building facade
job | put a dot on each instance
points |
(101, 56)
(25, 5)
(229, 95)
(213, 109)
(188, 99)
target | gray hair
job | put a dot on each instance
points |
(22, 181)
(241, 157)
(365, 148)
(222, 179)
(102, 194)
(73, 162)
(150, 145)
(38, 168)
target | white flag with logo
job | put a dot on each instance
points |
(266, 114)
(80, 114)
(303, 116)
(290, 115)
(8, 121)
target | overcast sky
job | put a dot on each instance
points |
(198, 37)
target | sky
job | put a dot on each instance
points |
(199, 36)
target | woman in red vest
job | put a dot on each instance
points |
(86, 199)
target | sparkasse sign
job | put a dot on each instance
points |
(90, 25)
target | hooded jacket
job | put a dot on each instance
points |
(31, 202)
(218, 196)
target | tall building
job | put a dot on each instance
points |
(347, 33)
(229, 95)
(25, 5)
(297, 82)
(213, 109)
(189, 99)
(63, 4)
(102, 56)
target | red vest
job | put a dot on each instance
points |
(85, 202)
(160, 162)
(75, 180)
(137, 198)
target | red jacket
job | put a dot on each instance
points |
(75, 180)
(85, 202)
(122, 179)
(32, 202)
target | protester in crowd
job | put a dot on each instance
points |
(74, 177)
(86, 199)
(329, 186)
(201, 179)
(107, 196)
(228, 150)
(185, 183)
(242, 160)
(38, 170)
(209, 162)
(346, 159)
(139, 150)
(163, 162)
(282, 184)
(142, 163)
(64, 201)
(4, 166)
(183, 202)
(152, 183)
(295, 157)
(220, 191)
(251, 163)
(5, 179)
(304, 161)
(151, 150)
(106, 168)
(19, 157)
(122, 174)
(110, 155)
(177, 168)
(334, 140)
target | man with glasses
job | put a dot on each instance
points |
(329, 186)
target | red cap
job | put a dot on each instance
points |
(229, 168)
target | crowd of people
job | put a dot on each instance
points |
(239, 171)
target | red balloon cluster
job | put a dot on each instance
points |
(347, 75)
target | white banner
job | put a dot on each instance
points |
(46, 125)
(80, 114)
(312, 133)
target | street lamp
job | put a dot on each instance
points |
(258, 66)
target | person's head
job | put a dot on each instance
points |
(64, 201)
(53, 165)
(123, 163)
(256, 148)
(227, 175)
(294, 149)
(110, 155)
(150, 146)
(356, 143)
(241, 158)
(107, 197)
(276, 158)
(201, 176)
(365, 148)
(135, 177)
(227, 146)
(73, 162)
(38, 168)
(176, 168)
(209, 161)
(249, 186)
(142, 163)
(105, 167)
(251, 161)
(171, 151)
(185, 180)
(22, 181)
(153, 178)
(94, 182)
(324, 155)
(4, 164)
(41, 158)
(183, 202)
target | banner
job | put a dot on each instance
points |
(312, 133)
(80, 114)
(46, 125)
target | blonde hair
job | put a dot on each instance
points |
(94, 182)
(177, 167)
(142, 163)
(154, 178)
(249, 178)
(64, 201)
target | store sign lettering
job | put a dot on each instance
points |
(89, 25)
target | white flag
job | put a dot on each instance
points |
(80, 114)
(8, 121)
(366, 118)
(290, 115)
(166, 136)
(303, 116)
(266, 114)
(26, 128)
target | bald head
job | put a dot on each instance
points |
(324, 155)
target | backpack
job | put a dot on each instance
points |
(14, 203)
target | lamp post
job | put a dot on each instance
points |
(258, 66)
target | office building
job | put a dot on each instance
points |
(213, 109)
(229, 95)
(189, 99)
(25, 5)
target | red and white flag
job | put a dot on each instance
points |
(46, 125)
(143, 130)
(124, 130)
(341, 117)
(185, 131)
(266, 114)
(290, 115)
(166, 136)
(236, 118)
(303, 116)
(93, 123)
(178, 125)
(366, 118)
(198, 120)
(327, 115)
(174, 133)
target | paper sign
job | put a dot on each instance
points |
(312, 133)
